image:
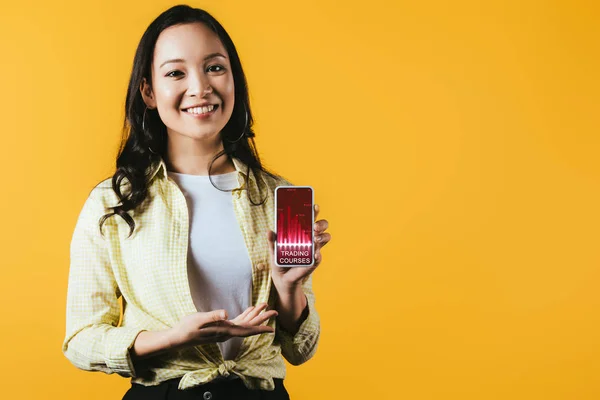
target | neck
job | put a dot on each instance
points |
(193, 157)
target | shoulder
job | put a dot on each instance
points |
(104, 195)
(276, 180)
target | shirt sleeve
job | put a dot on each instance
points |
(93, 342)
(300, 347)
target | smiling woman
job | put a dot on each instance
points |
(196, 252)
(183, 88)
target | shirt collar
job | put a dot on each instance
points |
(159, 169)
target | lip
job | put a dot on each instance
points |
(199, 105)
(202, 116)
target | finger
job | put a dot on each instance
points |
(212, 332)
(223, 322)
(214, 316)
(316, 210)
(242, 331)
(320, 226)
(318, 259)
(217, 328)
(317, 246)
(212, 335)
(245, 313)
(271, 236)
(255, 311)
(323, 239)
(259, 319)
(251, 315)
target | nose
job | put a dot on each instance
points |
(199, 84)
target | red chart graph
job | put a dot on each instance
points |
(294, 226)
(294, 232)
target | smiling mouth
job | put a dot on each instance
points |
(201, 110)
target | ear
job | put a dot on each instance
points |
(147, 94)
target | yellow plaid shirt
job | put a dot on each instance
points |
(149, 271)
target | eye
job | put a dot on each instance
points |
(170, 74)
(221, 68)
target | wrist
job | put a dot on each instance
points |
(287, 288)
(171, 338)
(151, 343)
(292, 308)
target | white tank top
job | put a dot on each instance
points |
(219, 266)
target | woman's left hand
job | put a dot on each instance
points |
(289, 277)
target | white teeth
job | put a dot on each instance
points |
(200, 110)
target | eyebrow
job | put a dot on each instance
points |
(208, 57)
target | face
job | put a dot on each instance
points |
(190, 67)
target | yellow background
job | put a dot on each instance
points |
(453, 150)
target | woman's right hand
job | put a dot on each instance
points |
(209, 327)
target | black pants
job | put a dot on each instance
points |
(233, 389)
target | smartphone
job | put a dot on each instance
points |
(294, 219)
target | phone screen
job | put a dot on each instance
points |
(294, 219)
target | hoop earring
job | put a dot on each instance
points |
(144, 129)
(243, 130)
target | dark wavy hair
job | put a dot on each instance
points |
(141, 148)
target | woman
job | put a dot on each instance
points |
(186, 242)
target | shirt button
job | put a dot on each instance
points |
(260, 266)
(207, 395)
